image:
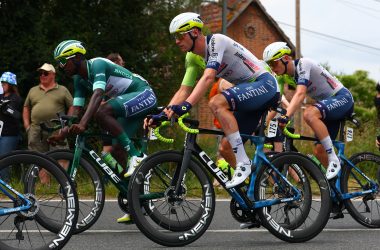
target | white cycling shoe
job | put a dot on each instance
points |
(133, 162)
(332, 170)
(242, 171)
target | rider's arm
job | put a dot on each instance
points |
(93, 106)
(203, 84)
(183, 92)
(297, 100)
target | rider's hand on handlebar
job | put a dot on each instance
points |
(58, 138)
(182, 108)
(154, 120)
(283, 120)
(77, 129)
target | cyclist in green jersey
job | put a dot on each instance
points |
(130, 99)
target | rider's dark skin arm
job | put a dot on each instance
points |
(93, 106)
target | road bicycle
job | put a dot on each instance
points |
(356, 187)
(176, 184)
(29, 202)
(89, 172)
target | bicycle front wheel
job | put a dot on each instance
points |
(299, 220)
(364, 209)
(42, 182)
(89, 186)
(165, 217)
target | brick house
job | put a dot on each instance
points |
(247, 23)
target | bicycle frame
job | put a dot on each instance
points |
(80, 149)
(246, 202)
(336, 192)
(340, 146)
(5, 211)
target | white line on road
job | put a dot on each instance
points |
(92, 231)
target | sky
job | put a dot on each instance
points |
(354, 23)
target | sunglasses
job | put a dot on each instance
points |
(63, 61)
(180, 35)
(44, 73)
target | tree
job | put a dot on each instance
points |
(363, 91)
(137, 29)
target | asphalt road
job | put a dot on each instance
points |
(223, 233)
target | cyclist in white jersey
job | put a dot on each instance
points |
(333, 101)
(238, 108)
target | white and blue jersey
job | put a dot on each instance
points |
(255, 90)
(333, 100)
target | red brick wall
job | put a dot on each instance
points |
(264, 34)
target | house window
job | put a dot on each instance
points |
(250, 30)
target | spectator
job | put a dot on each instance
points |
(10, 117)
(41, 105)
(116, 58)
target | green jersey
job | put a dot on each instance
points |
(108, 76)
(285, 79)
(195, 65)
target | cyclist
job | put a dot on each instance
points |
(333, 100)
(238, 108)
(130, 97)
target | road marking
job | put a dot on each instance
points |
(104, 231)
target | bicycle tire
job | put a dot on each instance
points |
(312, 215)
(352, 181)
(55, 199)
(90, 188)
(184, 228)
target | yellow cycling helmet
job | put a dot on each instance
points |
(275, 51)
(68, 48)
(185, 22)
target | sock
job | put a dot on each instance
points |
(128, 144)
(328, 145)
(238, 147)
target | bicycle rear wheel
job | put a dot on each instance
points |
(53, 198)
(164, 217)
(89, 186)
(300, 220)
(364, 209)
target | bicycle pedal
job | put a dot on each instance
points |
(336, 216)
(250, 225)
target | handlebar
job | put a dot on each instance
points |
(287, 133)
(181, 122)
(61, 122)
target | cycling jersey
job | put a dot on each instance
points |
(231, 60)
(195, 65)
(130, 95)
(319, 82)
(108, 76)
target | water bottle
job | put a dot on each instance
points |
(112, 163)
(319, 164)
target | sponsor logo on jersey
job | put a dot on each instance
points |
(144, 101)
(122, 73)
(252, 93)
(336, 103)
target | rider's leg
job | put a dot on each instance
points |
(220, 108)
(320, 152)
(226, 152)
(106, 118)
(313, 118)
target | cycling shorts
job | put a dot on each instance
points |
(250, 100)
(335, 109)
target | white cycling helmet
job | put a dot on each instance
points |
(185, 22)
(275, 51)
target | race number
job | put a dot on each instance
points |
(272, 129)
(349, 134)
(152, 136)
